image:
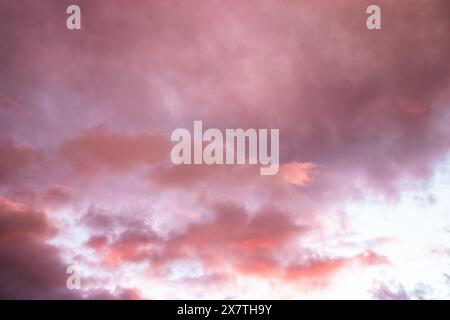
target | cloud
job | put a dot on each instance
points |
(57, 194)
(30, 268)
(98, 150)
(390, 291)
(296, 173)
(15, 159)
(117, 294)
(33, 269)
(261, 244)
(396, 291)
(50, 197)
(359, 112)
(230, 236)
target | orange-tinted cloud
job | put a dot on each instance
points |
(296, 173)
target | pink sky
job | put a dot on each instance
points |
(360, 206)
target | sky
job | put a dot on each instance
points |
(358, 210)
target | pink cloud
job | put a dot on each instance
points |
(15, 158)
(358, 113)
(97, 150)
